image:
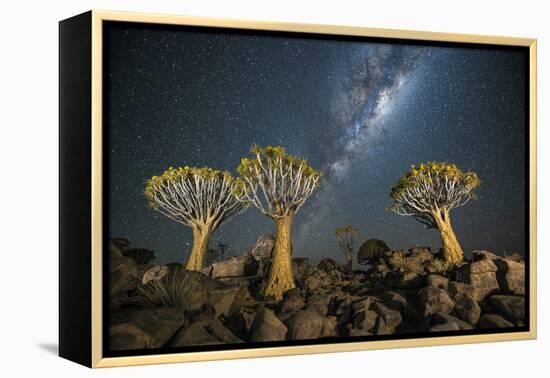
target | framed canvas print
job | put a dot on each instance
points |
(234, 189)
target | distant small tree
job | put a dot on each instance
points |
(347, 240)
(428, 193)
(278, 184)
(371, 250)
(223, 248)
(200, 198)
(212, 255)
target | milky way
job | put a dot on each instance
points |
(362, 112)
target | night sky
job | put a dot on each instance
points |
(361, 112)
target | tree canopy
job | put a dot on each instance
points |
(276, 182)
(431, 188)
(428, 193)
(194, 196)
(371, 250)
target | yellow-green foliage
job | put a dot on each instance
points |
(440, 266)
(371, 250)
(273, 157)
(428, 171)
(399, 261)
(347, 230)
(173, 175)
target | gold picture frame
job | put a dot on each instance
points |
(96, 20)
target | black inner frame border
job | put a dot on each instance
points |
(108, 25)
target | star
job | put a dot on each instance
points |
(361, 111)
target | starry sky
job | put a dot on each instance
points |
(361, 111)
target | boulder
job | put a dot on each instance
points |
(239, 322)
(292, 303)
(478, 255)
(435, 300)
(143, 328)
(394, 300)
(446, 319)
(334, 279)
(154, 274)
(455, 288)
(437, 281)
(381, 267)
(123, 272)
(318, 302)
(302, 268)
(221, 299)
(363, 303)
(313, 283)
(511, 275)
(329, 327)
(263, 268)
(242, 298)
(413, 260)
(481, 274)
(364, 319)
(236, 266)
(418, 257)
(489, 321)
(204, 317)
(412, 320)
(219, 331)
(380, 328)
(411, 280)
(360, 289)
(306, 324)
(263, 249)
(343, 311)
(328, 265)
(467, 308)
(195, 334)
(392, 318)
(513, 307)
(285, 316)
(482, 266)
(267, 327)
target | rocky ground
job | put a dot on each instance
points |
(400, 293)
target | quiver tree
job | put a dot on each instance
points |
(428, 193)
(347, 239)
(200, 198)
(278, 184)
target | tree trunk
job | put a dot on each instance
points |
(452, 252)
(200, 244)
(350, 264)
(280, 275)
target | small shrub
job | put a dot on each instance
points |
(371, 250)
(328, 265)
(399, 262)
(178, 288)
(440, 266)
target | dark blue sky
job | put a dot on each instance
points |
(362, 112)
